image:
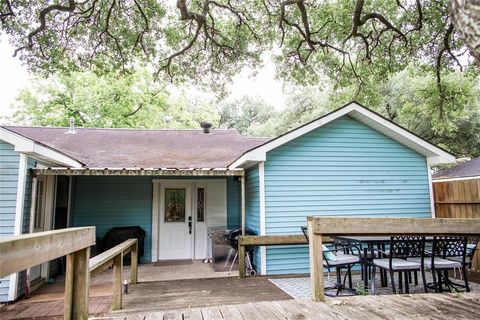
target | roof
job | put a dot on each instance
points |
(464, 170)
(134, 148)
(434, 154)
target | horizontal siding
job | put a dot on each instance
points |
(9, 163)
(252, 207)
(234, 214)
(344, 168)
(107, 202)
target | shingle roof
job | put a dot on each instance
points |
(133, 148)
(467, 169)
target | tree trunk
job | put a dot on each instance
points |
(466, 19)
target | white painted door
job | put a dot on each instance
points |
(175, 223)
(38, 218)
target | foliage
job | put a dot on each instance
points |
(110, 101)
(208, 41)
(245, 114)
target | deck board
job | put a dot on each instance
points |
(418, 306)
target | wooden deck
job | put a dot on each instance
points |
(419, 306)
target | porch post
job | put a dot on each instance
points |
(242, 179)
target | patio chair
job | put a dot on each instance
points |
(335, 257)
(398, 259)
(472, 243)
(444, 249)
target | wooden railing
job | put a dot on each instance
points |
(25, 251)
(273, 240)
(319, 227)
(114, 257)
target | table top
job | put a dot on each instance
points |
(369, 239)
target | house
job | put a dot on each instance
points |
(176, 183)
(469, 170)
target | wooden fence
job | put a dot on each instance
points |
(458, 199)
(319, 227)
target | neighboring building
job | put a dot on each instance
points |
(462, 171)
(350, 162)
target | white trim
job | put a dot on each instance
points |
(430, 190)
(19, 208)
(155, 225)
(434, 154)
(30, 147)
(263, 249)
(456, 179)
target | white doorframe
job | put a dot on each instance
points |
(156, 189)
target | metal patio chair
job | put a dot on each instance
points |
(398, 259)
(335, 257)
(444, 249)
(472, 243)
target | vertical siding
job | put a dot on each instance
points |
(9, 162)
(107, 202)
(252, 207)
(234, 214)
(344, 168)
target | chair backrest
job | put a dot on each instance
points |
(449, 246)
(407, 246)
(305, 232)
(472, 243)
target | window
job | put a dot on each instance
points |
(174, 205)
(200, 205)
(39, 203)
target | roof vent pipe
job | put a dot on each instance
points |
(71, 130)
(206, 127)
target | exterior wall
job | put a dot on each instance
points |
(9, 163)
(234, 212)
(252, 207)
(107, 202)
(343, 168)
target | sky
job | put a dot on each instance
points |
(14, 77)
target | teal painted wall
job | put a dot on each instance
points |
(107, 202)
(252, 207)
(9, 162)
(343, 168)
(234, 210)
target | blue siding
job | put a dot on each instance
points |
(252, 207)
(107, 202)
(344, 168)
(234, 214)
(9, 162)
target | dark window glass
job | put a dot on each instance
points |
(174, 205)
(200, 204)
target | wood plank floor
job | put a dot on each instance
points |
(418, 306)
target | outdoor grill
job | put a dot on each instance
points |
(224, 244)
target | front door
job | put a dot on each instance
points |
(176, 240)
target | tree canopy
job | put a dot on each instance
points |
(207, 41)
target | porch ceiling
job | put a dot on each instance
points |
(137, 172)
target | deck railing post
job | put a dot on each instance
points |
(316, 263)
(77, 283)
(241, 259)
(117, 281)
(134, 264)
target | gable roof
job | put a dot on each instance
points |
(469, 169)
(137, 148)
(434, 154)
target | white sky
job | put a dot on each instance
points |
(14, 77)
